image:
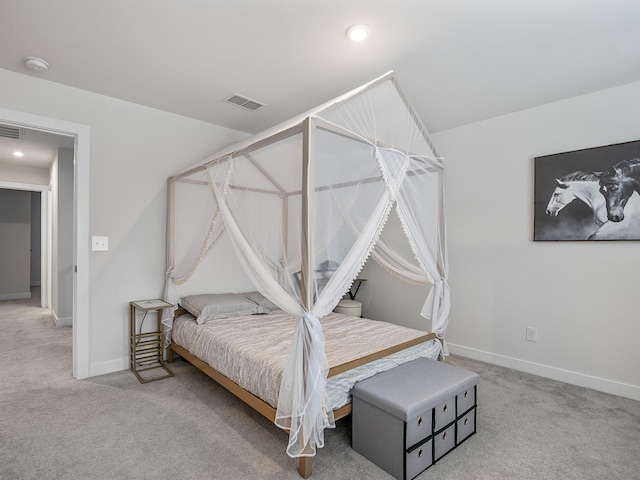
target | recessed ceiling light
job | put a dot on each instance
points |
(359, 32)
(18, 154)
(36, 64)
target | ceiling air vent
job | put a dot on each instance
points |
(7, 131)
(244, 102)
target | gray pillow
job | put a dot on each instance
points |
(264, 304)
(211, 306)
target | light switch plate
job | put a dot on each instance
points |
(100, 244)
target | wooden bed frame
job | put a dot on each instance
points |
(262, 407)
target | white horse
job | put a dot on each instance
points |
(585, 186)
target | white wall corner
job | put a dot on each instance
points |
(110, 366)
(61, 322)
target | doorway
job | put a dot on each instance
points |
(80, 221)
(24, 224)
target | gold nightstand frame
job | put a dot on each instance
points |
(147, 349)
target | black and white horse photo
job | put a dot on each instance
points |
(591, 194)
(617, 185)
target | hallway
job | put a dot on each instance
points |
(33, 351)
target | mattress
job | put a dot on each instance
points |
(252, 350)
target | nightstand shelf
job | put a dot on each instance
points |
(147, 348)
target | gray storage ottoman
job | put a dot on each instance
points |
(406, 418)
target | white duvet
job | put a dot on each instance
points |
(252, 350)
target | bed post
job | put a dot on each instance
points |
(304, 466)
(308, 192)
(306, 277)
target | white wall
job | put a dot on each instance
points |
(15, 241)
(386, 297)
(134, 149)
(36, 241)
(62, 237)
(21, 174)
(581, 296)
(220, 271)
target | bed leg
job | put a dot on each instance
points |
(304, 467)
(170, 358)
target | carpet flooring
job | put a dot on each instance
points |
(187, 427)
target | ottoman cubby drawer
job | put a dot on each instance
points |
(445, 413)
(419, 428)
(466, 400)
(419, 458)
(466, 425)
(444, 442)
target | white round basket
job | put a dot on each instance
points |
(349, 307)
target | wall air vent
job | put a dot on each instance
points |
(245, 102)
(8, 131)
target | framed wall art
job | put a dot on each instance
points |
(589, 194)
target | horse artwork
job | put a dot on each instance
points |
(617, 185)
(585, 187)
(605, 181)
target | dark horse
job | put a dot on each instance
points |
(618, 184)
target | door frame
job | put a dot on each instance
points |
(81, 180)
(45, 235)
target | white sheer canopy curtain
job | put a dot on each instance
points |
(304, 205)
(424, 228)
(194, 226)
(387, 120)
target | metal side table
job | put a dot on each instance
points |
(147, 348)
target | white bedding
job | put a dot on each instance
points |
(252, 350)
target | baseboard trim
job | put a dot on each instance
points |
(110, 366)
(574, 378)
(15, 296)
(61, 322)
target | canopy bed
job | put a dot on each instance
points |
(304, 204)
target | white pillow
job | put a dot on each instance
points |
(211, 306)
(264, 304)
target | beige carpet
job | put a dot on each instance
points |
(186, 427)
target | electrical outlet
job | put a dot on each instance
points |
(100, 244)
(532, 334)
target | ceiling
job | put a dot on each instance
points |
(458, 61)
(39, 148)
